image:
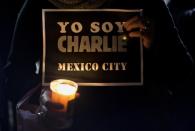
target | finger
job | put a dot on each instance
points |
(54, 106)
(45, 99)
(145, 40)
(130, 21)
(77, 95)
(57, 114)
(137, 25)
(134, 23)
(135, 34)
(42, 110)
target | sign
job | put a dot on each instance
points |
(91, 47)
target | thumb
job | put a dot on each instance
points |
(45, 99)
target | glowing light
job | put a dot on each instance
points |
(124, 38)
(63, 91)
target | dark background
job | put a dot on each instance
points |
(8, 15)
(181, 117)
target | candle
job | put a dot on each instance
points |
(63, 91)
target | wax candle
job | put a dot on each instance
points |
(63, 91)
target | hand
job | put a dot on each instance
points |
(137, 27)
(52, 114)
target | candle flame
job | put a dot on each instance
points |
(63, 87)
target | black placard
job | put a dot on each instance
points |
(91, 47)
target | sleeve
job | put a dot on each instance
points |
(25, 51)
(186, 27)
(3, 100)
(168, 61)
